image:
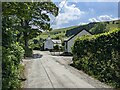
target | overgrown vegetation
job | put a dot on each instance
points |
(11, 66)
(99, 56)
(17, 21)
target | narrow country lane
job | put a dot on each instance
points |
(54, 72)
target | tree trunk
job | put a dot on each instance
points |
(27, 50)
(25, 25)
(25, 39)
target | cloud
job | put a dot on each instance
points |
(82, 23)
(105, 18)
(102, 18)
(93, 20)
(68, 14)
(76, 1)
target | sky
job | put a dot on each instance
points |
(79, 12)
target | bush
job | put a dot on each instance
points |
(56, 47)
(11, 59)
(36, 44)
(99, 56)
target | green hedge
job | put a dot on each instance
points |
(99, 56)
(11, 66)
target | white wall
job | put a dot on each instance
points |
(48, 44)
(71, 42)
(65, 47)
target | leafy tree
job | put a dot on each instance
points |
(23, 16)
(99, 28)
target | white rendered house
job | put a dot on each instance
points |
(50, 43)
(69, 42)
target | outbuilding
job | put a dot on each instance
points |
(50, 43)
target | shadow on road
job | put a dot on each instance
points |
(37, 55)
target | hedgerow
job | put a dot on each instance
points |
(99, 56)
(11, 66)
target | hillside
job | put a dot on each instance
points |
(99, 27)
(69, 31)
(57, 32)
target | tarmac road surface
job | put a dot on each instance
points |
(47, 71)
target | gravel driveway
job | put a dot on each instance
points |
(47, 71)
